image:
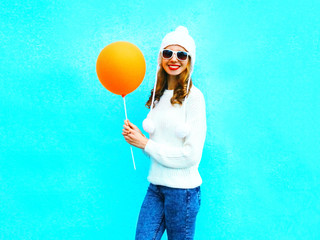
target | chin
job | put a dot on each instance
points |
(172, 72)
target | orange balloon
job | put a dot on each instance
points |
(121, 67)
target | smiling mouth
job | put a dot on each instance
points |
(173, 67)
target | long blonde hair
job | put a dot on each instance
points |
(180, 91)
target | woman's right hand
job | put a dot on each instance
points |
(132, 126)
(133, 135)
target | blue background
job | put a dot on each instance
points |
(66, 171)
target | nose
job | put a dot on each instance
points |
(174, 57)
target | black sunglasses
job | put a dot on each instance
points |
(181, 55)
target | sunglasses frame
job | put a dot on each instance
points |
(174, 53)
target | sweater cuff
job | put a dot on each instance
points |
(149, 146)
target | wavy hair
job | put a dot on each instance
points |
(179, 93)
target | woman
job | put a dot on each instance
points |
(176, 125)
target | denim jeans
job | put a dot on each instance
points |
(171, 209)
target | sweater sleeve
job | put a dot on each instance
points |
(191, 151)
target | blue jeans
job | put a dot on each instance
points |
(171, 209)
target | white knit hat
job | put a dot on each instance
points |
(182, 38)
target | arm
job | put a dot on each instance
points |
(191, 151)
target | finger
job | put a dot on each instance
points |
(126, 138)
(133, 126)
(129, 126)
(126, 127)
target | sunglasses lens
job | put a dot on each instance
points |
(167, 53)
(182, 55)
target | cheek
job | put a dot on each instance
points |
(184, 66)
(164, 63)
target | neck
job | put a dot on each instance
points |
(172, 82)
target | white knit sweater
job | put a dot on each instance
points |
(174, 160)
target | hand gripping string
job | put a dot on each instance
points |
(125, 111)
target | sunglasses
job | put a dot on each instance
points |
(181, 55)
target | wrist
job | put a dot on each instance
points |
(145, 142)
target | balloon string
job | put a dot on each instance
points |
(125, 111)
(125, 108)
(154, 90)
(185, 101)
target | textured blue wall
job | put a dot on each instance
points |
(65, 169)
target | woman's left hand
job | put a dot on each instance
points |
(133, 135)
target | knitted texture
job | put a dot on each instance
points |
(174, 160)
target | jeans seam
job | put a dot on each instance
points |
(187, 214)
(157, 231)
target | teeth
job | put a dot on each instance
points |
(174, 67)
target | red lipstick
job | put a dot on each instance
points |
(173, 67)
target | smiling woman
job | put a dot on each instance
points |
(177, 128)
(175, 66)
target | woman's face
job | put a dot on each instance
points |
(174, 66)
